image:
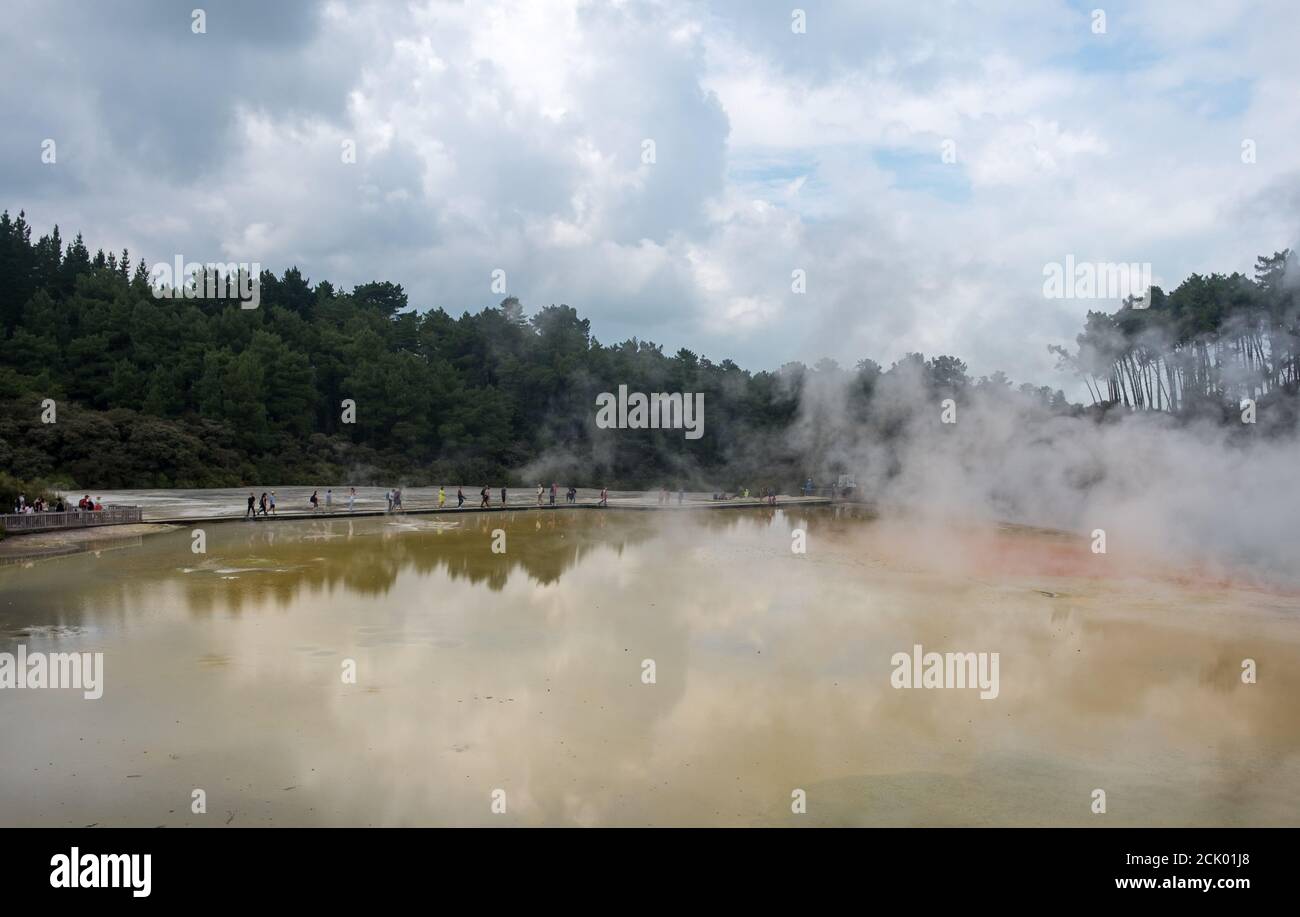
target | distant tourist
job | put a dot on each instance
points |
(604, 496)
(388, 497)
(442, 497)
(329, 497)
(554, 488)
(540, 490)
(681, 494)
(352, 499)
(273, 503)
(503, 496)
(397, 499)
(251, 510)
(460, 497)
(314, 501)
(262, 503)
(484, 493)
(572, 495)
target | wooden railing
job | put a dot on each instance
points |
(13, 523)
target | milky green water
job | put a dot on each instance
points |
(524, 673)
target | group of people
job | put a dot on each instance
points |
(265, 505)
(394, 498)
(570, 495)
(665, 497)
(742, 493)
(460, 497)
(41, 505)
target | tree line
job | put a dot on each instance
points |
(198, 392)
(1199, 349)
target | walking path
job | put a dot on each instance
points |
(511, 507)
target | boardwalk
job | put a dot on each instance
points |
(186, 508)
(643, 505)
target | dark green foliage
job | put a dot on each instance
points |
(175, 392)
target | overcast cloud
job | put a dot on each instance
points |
(510, 136)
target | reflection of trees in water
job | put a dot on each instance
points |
(271, 563)
(366, 557)
(839, 519)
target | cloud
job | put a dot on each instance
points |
(512, 135)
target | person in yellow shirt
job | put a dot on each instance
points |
(442, 497)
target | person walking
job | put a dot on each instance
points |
(273, 503)
(262, 503)
(397, 499)
(388, 498)
(460, 497)
(329, 498)
(604, 496)
(442, 497)
(554, 488)
(503, 496)
(540, 491)
(352, 499)
(314, 501)
(251, 511)
(484, 493)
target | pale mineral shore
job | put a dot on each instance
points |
(69, 541)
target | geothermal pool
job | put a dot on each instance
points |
(520, 678)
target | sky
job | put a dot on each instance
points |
(666, 167)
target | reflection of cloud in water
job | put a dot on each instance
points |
(522, 671)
